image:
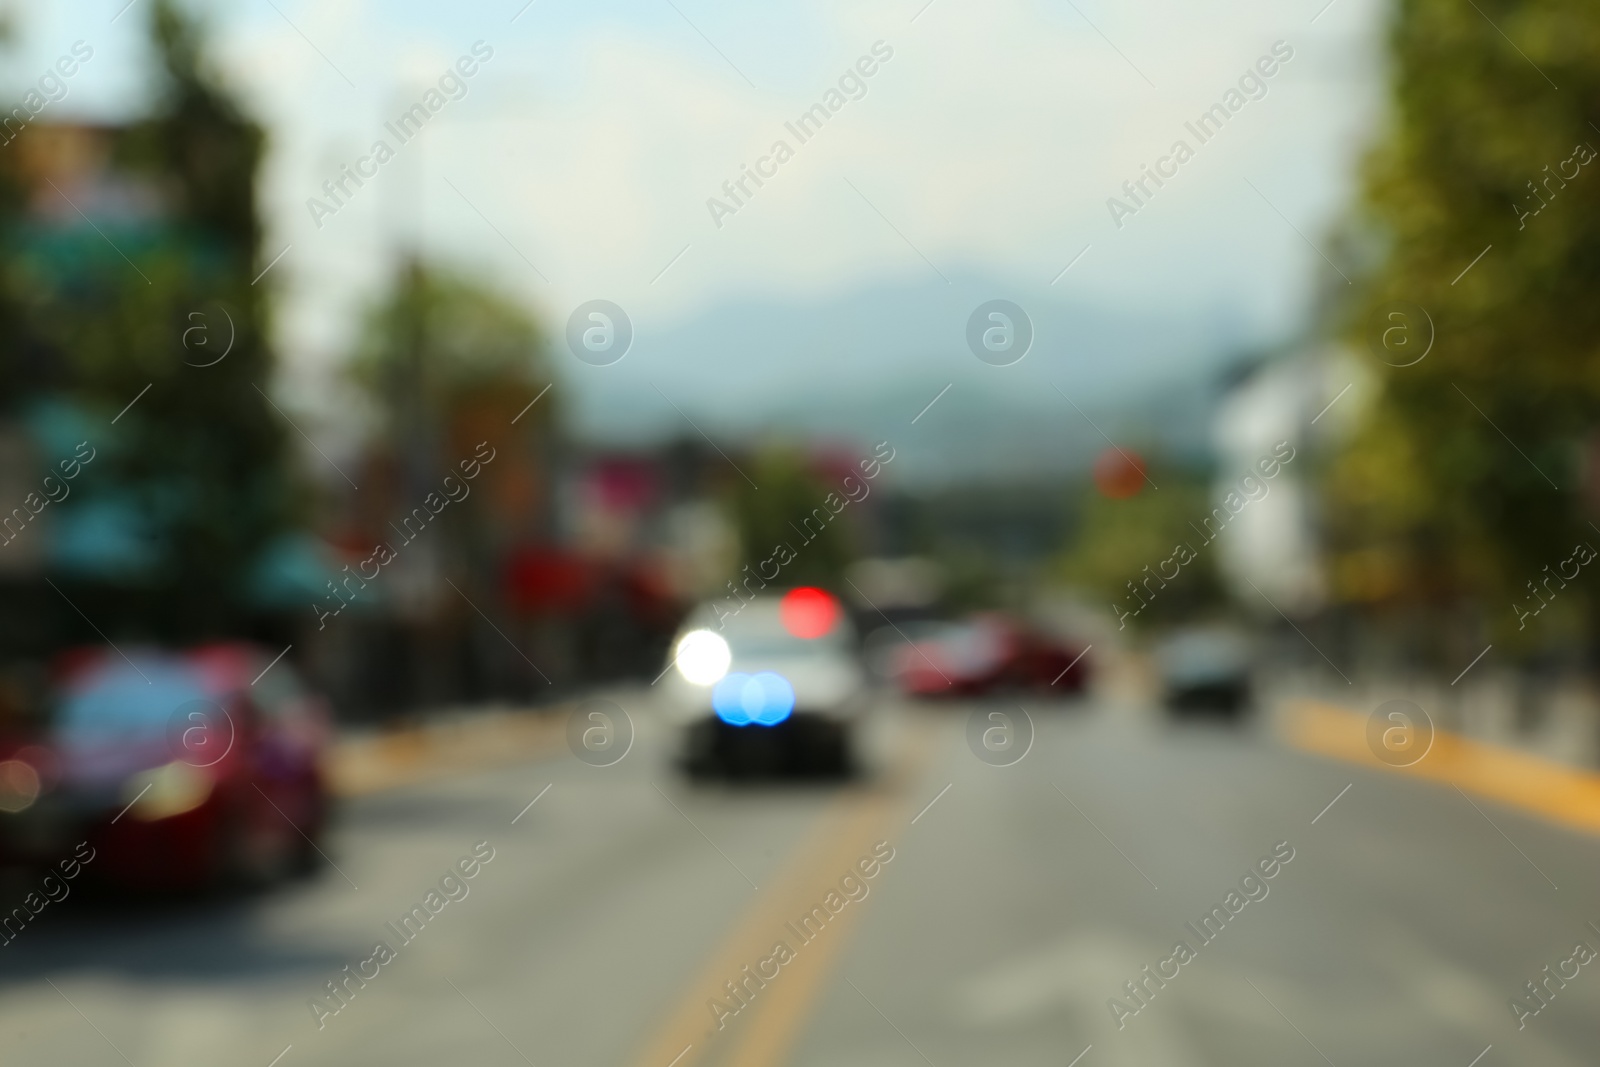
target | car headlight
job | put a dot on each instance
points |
(702, 657)
(166, 791)
(19, 786)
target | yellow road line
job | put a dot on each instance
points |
(782, 1007)
(689, 1023)
(1566, 795)
(844, 833)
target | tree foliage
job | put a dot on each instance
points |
(447, 364)
(439, 345)
(1116, 540)
(198, 464)
(789, 509)
(1466, 479)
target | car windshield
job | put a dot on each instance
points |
(125, 700)
(758, 632)
(778, 645)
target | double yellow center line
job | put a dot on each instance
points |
(762, 1033)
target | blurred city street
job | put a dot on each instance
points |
(689, 534)
(1015, 906)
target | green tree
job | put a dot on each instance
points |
(1117, 539)
(439, 348)
(198, 464)
(790, 508)
(447, 363)
(1466, 477)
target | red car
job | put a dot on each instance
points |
(984, 654)
(178, 771)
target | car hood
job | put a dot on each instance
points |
(93, 763)
(821, 683)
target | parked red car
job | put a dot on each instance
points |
(179, 771)
(983, 654)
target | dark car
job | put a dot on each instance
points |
(1206, 671)
(178, 771)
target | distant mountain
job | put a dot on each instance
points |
(864, 364)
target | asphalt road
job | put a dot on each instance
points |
(1012, 910)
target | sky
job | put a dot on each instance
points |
(975, 163)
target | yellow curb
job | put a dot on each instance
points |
(1566, 795)
(358, 766)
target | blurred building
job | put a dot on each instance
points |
(1269, 550)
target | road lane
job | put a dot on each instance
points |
(1398, 932)
(1006, 921)
(598, 900)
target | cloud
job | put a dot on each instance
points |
(990, 142)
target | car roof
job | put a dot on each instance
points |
(221, 667)
(227, 666)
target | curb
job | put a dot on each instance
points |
(1567, 796)
(363, 764)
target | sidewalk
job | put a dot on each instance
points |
(455, 740)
